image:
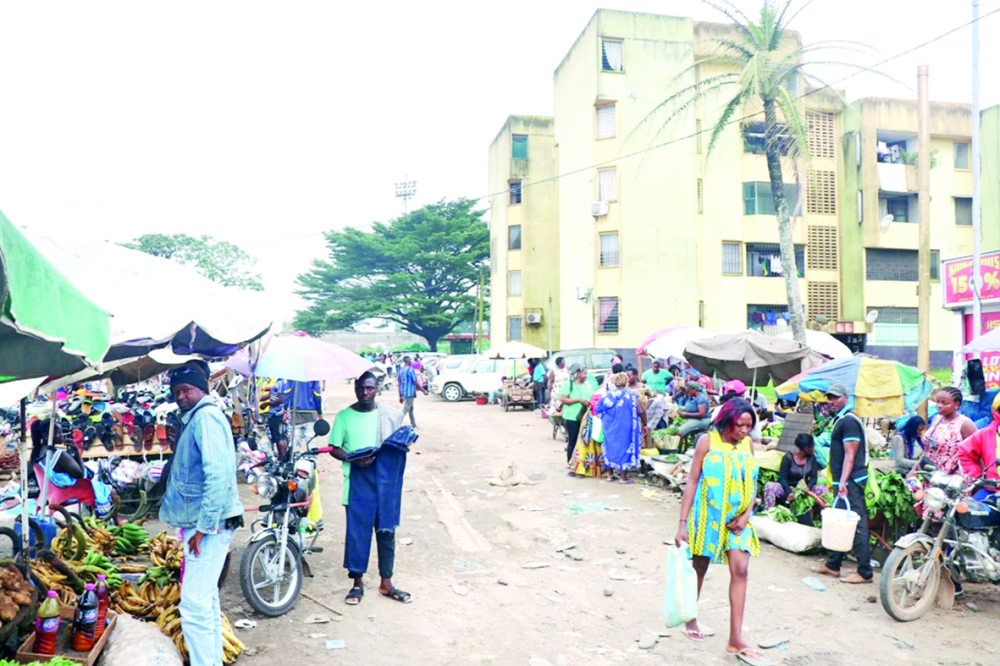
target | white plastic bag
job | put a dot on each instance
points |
(680, 599)
(137, 643)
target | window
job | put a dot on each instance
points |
(822, 247)
(611, 55)
(895, 327)
(732, 259)
(513, 328)
(755, 140)
(963, 211)
(898, 265)
(821, 195)
(961, 155)
(823, 300)
(861, 207)
(515, 192)
(759, 315)
(514, 283)
(700, 194)
(757, 198)
(606, 127)
(899, 208)
(820, 135)
(514, 237)
(608, 312)
(764, 260)
(609, 250)
(607, 185)
(519, 146)
(697, 136)
(489, 366)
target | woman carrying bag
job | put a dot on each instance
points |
(716, 510)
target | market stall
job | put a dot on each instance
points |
(751, 357)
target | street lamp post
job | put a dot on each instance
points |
(405, 191)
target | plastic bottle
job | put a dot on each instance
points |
(47, 625)
(102, 604)
(85, 621)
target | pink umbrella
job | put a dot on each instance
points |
(302, 359)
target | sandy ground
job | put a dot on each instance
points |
(475, 602)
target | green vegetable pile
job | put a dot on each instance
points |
(774, 429)
(54, 661)
(895, 502)
(779, 514)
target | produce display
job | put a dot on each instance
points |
(774, 429)
(10, 460)
(895, 501)
(169, 623)
(15, 592)
(779, 514)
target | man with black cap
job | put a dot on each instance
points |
(849, 468)
(202, 500)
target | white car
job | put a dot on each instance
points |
(476, 376)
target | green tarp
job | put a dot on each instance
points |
(47, 326)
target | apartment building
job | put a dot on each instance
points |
(643, 229)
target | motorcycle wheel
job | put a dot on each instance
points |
(257, 576)
(902, 597)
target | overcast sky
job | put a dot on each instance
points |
(262, 122)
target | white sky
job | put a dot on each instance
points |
(259, 122)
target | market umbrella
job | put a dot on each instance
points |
(672, 341)
(988, 342)
(752, 357)
(155, 302)
(516, 350)
(824, 343)
(47, 325)
(302, 359)
(878, 388)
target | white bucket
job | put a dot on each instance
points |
(839, 526)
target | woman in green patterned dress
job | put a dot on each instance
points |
(719, 500)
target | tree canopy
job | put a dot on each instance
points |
(219, 261)
(420, 271)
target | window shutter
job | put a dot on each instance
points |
(822, 248)
(606, 127)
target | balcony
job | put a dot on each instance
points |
(518, 169)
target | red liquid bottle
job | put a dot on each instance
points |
(85, 621)
(47, 625)
(102, 604)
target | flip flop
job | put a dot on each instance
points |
(769, 643)
(749, 656)
(696, 636)
(354, 596)
(397, 594)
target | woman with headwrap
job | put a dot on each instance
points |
(620, 414)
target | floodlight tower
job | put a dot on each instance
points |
(405, 191)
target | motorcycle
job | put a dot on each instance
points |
(274, 563)
(960, 537)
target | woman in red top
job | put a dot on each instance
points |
(979, 452)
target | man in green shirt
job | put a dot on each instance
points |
(576, 393)
(365, 425)
(656, 379)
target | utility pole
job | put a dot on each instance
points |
(924, 231)
(548, 315)
(405, 190)
(977, 276)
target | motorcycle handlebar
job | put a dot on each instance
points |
(322, 449)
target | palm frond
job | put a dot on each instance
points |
(795, 13)
(789, 107)
(685, 97)
(733, 46)
(724, 119)
(733, 13)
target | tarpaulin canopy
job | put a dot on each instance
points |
(156, 302)
(988, 342)
(750, 357)
(668, 342)
(124, 371)
(47, 325)
(824, 343)
(515, 350)
(878, 388)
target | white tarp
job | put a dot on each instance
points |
(152, 300)
(824, 343)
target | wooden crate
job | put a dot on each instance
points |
(64, 641)
(795, 425)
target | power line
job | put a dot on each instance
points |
(694, 134)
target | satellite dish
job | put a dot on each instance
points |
(886, 222)
(871, 317)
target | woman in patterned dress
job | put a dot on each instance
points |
(620, 414)
(719, 499)
(947, 430)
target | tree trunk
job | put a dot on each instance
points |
(788, 265)
(432, 341)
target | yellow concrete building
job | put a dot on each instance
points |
(638, 229)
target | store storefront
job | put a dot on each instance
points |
(958, 297)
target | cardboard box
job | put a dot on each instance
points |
(64, 647)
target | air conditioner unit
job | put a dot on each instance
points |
(599, 208)
(533, 318)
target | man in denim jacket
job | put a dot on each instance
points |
(201, 499)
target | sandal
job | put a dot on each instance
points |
(397, 594)
(748, 656)
(697, 636)
(354, 596)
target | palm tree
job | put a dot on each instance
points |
(766, 66)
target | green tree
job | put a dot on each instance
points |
(420, 271)
(765, 66)
(219, 261)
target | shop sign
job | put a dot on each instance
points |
(991, 360)
(956, 275)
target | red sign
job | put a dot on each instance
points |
(991, 360)
(957, 278)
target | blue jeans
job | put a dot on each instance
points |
(201, 618)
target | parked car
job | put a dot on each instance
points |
(478, 375)
(596, 361)
(456, 361)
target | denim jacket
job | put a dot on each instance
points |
(201, 491)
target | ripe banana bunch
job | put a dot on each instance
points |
(53, 580)
(165, 551)
(169, 623)
(126, 599)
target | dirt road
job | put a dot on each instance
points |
(477, 599)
